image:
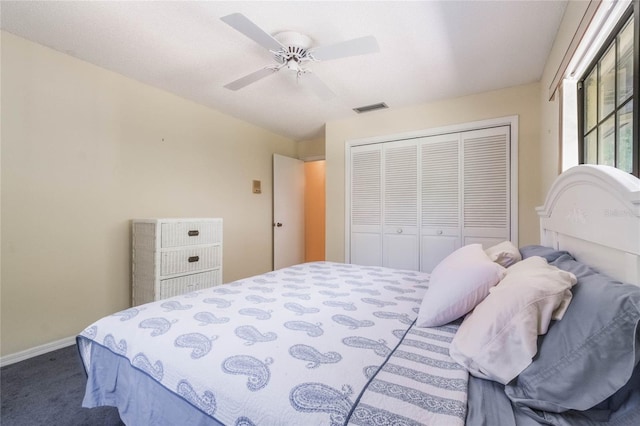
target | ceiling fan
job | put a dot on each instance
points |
(293, 50)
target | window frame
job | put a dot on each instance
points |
(632, 11)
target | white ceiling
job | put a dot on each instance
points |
(429, 50)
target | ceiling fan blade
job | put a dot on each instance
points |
(251, 30)
(357, 46)
(322, 90)
(251, 78)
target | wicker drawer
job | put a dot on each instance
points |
(185, 284)
(173, 256)
(189, 260)
(179, 234)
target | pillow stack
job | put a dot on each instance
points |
(586, 366)
(499, 338)
(589, 357)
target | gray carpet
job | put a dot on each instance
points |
(48, 390)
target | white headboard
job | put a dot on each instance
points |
(593, 212)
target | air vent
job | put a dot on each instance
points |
(368, 108)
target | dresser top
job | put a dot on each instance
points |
(178, 219)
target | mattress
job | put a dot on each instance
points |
(317, 343)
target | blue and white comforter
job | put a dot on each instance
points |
(318, 343)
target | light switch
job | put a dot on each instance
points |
(257, 187)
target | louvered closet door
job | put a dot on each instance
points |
(366, 205)
(440, 199)
(400, 210)
(486, 186)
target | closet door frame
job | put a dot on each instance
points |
(511, 121)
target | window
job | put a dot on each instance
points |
(608, 100)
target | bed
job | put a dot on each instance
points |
(326, 343)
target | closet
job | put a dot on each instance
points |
(412, 202)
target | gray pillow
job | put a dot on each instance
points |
(588, 355)
(548, 253)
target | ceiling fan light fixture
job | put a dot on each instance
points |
(292, 64)
(372, 107)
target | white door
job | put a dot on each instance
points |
(440, 198)
(365, 208)
(486, 186)
(288, 211)
(400, 244)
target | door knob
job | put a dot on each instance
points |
(279, 225)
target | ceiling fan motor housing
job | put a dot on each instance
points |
(296, 46)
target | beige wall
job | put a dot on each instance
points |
(550, 109)
(84, 151)
(312, 149)
(521, 100)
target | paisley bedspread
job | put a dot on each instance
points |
(314, 344)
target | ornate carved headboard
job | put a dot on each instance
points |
(593, 212)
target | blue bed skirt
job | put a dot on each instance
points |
(112, 381)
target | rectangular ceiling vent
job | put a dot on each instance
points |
(368, 108)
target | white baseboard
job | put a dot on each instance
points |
(38, 350)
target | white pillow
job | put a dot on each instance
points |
(505, 253)
(499, 338)
(457, 284)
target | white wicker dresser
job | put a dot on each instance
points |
(174, 256)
